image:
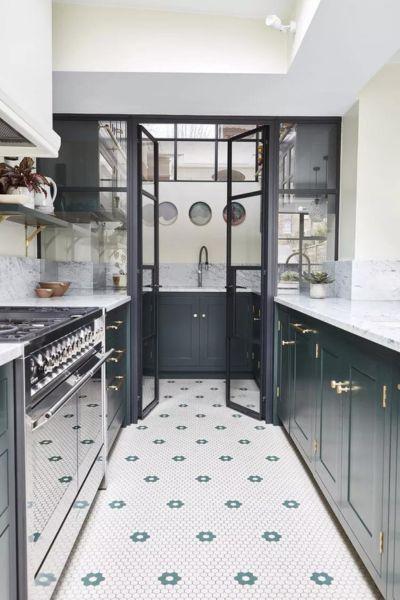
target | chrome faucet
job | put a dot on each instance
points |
(300, 254)
(200, 265)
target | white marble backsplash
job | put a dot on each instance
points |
(185, 275)
(365, 280)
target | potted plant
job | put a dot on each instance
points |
(289, 282)
(22, 182)
(318, 281)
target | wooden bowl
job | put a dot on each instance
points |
(43, 292)
(58, 287)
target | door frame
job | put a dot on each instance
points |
(231, 270)
(154, 269)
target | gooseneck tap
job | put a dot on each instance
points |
(204, 250)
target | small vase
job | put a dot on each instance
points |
(45, 203)
(21, 196)
(318, 290)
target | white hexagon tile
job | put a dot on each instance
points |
(205, 503)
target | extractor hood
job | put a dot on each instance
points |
(19, 134)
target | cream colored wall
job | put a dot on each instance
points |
(378, 181)
(181, 242)
(348, 184)
(127, 40)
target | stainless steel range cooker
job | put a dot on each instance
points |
(64, 431)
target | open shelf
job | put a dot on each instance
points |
(18, 213)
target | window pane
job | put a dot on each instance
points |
(166, 160)
(200, 131)
(227, 131)
(246, 234)
(196, 161)
(160, 130)
(147, 231)
(148, 166)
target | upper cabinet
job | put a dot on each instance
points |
(26, 80)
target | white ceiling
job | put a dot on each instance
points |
(234, 8)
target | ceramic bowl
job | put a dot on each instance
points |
(43, 292)
(59, 287)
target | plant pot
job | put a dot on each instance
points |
(318, 290)
(21, 195)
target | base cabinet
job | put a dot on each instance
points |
(336, 402)
(7, 486)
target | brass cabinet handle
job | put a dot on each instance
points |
(119, 322)
(116, 326)
(116, 387)
(111, 327)
(288, 343)
(341, 388)
(116, 359)
(301, 329)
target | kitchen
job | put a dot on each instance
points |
(199, 300)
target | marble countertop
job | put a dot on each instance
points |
(377, 321)
(204, 289)
(107, 299)
(9, 352)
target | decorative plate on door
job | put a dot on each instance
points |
(238, 214)
(200, 213)
(168, 213)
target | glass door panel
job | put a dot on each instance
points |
(150, 271)
(244, 216)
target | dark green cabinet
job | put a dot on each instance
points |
(334, 399)
(191, 332)
(7, 485)
(304, 386)
(116, 370)
(394, 505)
(329, 414)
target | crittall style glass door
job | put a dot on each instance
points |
(149, 260)
(245, 271)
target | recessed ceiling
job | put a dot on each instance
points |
(235, 8)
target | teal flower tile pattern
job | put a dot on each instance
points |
(93, 579)
(246, 578)
(202, 527)
(140, 536)
(206, 536)
(168, 578)
(321, 578)
(45, 579)
(55, 458)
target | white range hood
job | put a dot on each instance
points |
(19, 136)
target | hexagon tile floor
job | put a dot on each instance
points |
(206, 503)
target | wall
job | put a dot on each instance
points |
(348, 184)
(26, 51)
(370, 187)
(181, 241)
(128, 40)
(304, 14)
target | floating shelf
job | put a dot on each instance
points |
(18, 213)
(97, 216)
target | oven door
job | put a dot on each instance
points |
(61, 441)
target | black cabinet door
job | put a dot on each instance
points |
(284, 367)
(179, 330)
(304, 386)
(365, 450)
(328, 431)
(394, 517)
(7, 496)
(212, 314)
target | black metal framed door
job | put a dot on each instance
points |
(246, 272)
(148, 217)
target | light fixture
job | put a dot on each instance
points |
(275, 22)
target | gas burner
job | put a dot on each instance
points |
(7, 328)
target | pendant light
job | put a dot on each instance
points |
(318, 207)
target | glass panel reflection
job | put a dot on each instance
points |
(246, 232)
(245, 341)
(196, 161)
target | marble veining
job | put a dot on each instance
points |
(365, 279)
(377, 321)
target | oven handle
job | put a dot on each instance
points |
(50, 413)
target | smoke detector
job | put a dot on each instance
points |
(275, 22)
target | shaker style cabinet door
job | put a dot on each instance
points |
(212, 331)
(284, 379)
(393, 592)
(7, 495)
(179, 330)
(305, 385)
(328, 430)
(366, 437)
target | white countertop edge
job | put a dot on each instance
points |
(345, 319)
(9, 352)
(106, 301)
